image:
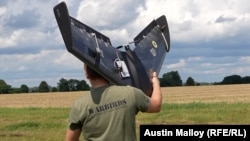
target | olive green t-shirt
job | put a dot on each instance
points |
(108, 113)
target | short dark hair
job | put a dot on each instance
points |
(92, 73)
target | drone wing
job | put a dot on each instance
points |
(129, 67)
(90, 46)
(152, 44)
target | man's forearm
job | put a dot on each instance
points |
(156, 97)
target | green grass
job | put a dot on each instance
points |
(200, 113)
(33, 124)
(49, 124)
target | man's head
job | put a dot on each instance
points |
(91, 74)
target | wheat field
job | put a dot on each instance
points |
(211, 93)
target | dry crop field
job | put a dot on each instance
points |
(211, 93)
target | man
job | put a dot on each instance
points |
(108, 112)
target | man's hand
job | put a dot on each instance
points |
(156, 97)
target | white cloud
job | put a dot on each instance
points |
(183, 63)
(2, 10)
(191, 59)
(245, 59)
(241, 70)
(214, 71)
(194, 20)
(67, 60)
(48, 65)
(118, 36)
(207, 37)
(114, 19)
(6, 42)
(15, 60)
(216, 65)
(177, 65)
(109, 14)
(20, 37)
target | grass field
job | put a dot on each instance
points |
(39, 117)
(212, 93)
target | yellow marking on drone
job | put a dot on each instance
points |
(154, 44)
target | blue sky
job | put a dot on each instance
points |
(209, 38)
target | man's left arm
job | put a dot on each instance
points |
(73, 135)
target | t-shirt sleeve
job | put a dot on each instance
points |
(75, 117)
(142, 100)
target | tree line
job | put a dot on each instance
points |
(169, 79)
(173, 79)
(63, 85)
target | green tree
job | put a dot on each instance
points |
(190, 82)
(34, 89)
(72, 84)
(232, 79)
(245, 80)
(63, 85)
(43, 87)
(24, 88)
(171, 79)
(54, 89)
(83, 86)
(4, 87)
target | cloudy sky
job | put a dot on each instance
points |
(210, 39)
